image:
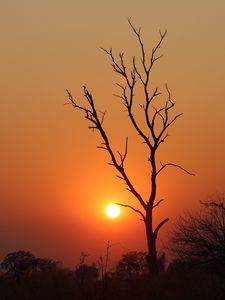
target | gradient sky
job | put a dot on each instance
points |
(54, 182)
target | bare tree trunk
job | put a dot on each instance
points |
(151, 242)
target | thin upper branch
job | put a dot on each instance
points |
(153, 58)
(119, 67)
(147, 66)
(163, 113)
(128, 96)
(123, 156)
(138, 34)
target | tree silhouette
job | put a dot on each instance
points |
(21, 264)
(132, 265)
(200, 237)
(86, 273)
(157, 121)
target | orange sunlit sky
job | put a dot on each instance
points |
(54, 182)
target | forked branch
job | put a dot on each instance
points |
(157, 204)
(92, 115)
(127, 91)
(154, 58)
(123, 156)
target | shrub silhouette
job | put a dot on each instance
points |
(199, 238)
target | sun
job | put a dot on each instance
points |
(112, 211)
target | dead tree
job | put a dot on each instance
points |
(157, 121)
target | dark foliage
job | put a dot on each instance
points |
(199, 238)
(24, 276)
(22, 264)
(58, 283)
(133, 265)
(85, 273)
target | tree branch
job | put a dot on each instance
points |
(164, 115)
(213, 204)
(123, 156)
(132, 208)
(163, 166)
(92, 115)
(159, 226)
(157, 204)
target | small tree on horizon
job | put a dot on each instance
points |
(22, 264)
(157, 121)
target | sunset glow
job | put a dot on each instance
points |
(112, 211)
(57, 184)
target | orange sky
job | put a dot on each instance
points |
(54, 182)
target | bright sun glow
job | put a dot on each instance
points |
(112, 211)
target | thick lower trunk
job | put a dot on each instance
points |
(152, 260)
(151, 241)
